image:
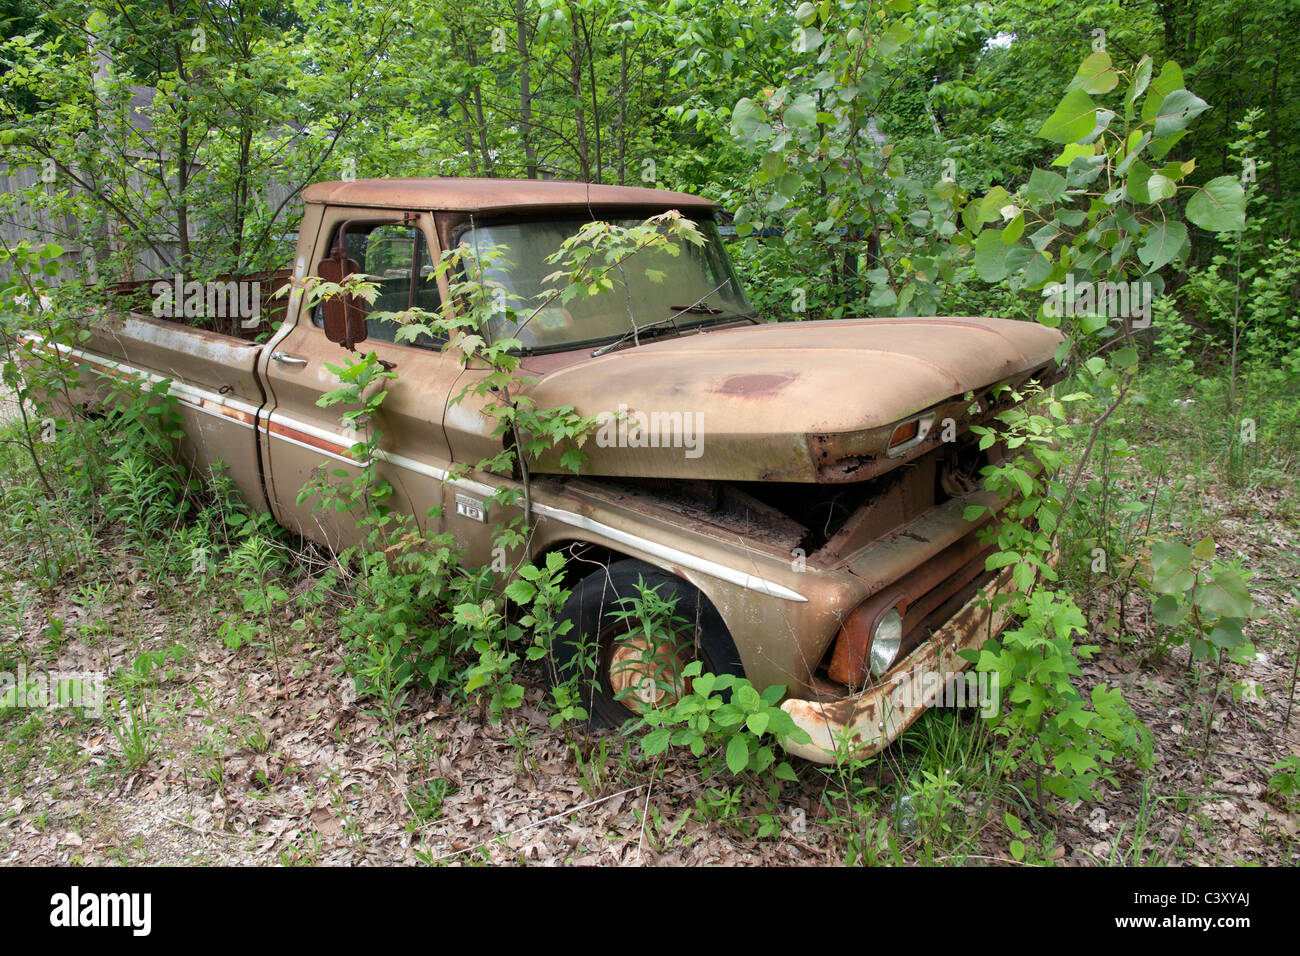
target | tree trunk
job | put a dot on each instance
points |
(525, 90)
(594, 90)
(575, 87)
(182, 153)
(622, 112)
(476, 91)
(468, 133)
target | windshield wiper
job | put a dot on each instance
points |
(649, 326)
(697, 307)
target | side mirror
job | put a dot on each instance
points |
(344, 315)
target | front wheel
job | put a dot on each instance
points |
(626, 658)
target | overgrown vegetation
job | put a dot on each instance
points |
(1119, 478)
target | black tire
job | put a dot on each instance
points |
(590, 649)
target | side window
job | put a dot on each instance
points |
(389, 255)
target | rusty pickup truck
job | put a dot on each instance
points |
(797, 487)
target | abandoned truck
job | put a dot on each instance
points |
(807, 517)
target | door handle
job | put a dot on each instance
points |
(287, 359)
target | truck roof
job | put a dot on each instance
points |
(494, 195)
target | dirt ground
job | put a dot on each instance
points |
(306, 776)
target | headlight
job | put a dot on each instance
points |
(869, 640)
(885, 641)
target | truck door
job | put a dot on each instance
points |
(301, 440)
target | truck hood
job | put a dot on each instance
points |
(798, 401)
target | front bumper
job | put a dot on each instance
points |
(866, 723)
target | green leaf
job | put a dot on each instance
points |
(1163, 145)
(757, 723)
(737, 754)
(1141, 78)
(656, 742)
(789, 184)
(573, 459)
(1170, 79)
(1227, 632)
(1038, 271)
(1220, 206)
(810, 39)
(1160, 187)
(1226, 595)
(1124, 358)
(1014, 230)
(802, 113)
(1075, 118)
(746, 696)
(1072, 152)
(520, 591)
(746, 118)
(1095, 74)
(1045, 186)
(892, 39)
(1139, 175)
(991, 256)
(993, 203)
(1074, 761)
(882, 297)
(1169, 610)
(1162, 244)
(1171, 567)
(1177, 110)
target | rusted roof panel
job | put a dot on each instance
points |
(493, 195)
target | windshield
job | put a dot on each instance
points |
(697, 276)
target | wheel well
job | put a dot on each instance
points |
(584, 558)
(581, 559)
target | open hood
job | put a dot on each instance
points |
(798, 401)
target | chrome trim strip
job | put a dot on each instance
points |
(750, 582)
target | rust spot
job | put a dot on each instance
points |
(839, 458)
(755, 384)
(293, 434)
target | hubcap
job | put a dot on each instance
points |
(644, 677)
